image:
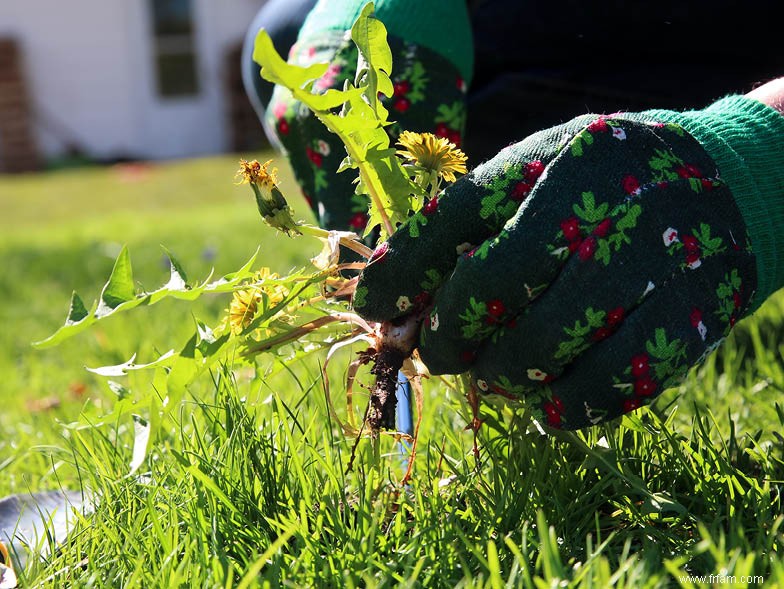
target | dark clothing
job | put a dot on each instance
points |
(538, 64)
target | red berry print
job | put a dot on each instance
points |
(631, 185)
(550, 408)
(645, 387)
(695, 317)
(587, 248)
(598, 126)
(630, 405)
(533, 170)
(640, 365)
(358, 221)
(401, 88)
(603, 228)
(601, 333)
(430, 206)
(495, 308)
(615, 316)
(706, 184)
(687, 171)
(553, 415)
(690, 243)
(422, 299)
(460, 83)
(402, 104)
(692, 257)
(575, 245)
(571, 228)
(442, 130)
(554, 421)
(520, 191)
(454, 137)
(283, 127)
(558, 403)
(314, 156)
(736, 299)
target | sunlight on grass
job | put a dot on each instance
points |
(246, 481)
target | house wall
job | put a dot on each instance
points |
(90, 71)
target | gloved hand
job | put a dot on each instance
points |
(586, 268)
(433, 59)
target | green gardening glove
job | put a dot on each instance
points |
(588, 267)
(433, 59)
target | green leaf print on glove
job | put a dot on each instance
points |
(585, 269)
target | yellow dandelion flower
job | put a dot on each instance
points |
(243, 308)
(434, 154)
(246, 303)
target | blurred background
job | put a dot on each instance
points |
(121, 123)
(96, 81)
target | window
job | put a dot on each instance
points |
(174, 53)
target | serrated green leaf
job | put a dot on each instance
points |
(77, 311)
(119, 288)
(129, 366)
(362, 118)
(169, 290)
(375, 64)
(178, 279)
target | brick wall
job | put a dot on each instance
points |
(246, 132)
(18, 152)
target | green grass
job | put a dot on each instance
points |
(245, 481)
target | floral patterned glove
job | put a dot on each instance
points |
(430, 79)
(584, 269)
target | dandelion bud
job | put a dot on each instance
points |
(270, 201)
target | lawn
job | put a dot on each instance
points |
(244, 481)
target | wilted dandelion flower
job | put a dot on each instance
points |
(255, 173)
(434, 154)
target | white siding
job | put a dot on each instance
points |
(89, 64)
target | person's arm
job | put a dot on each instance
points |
(771, 94)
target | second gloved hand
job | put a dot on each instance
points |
(584, 269)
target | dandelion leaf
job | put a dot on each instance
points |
(118, 295)
(360, 122)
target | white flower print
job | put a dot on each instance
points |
(536, 374)
(670, 236)
(403, 303)
(618, 133)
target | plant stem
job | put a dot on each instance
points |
(347, 242)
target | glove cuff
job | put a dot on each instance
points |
(442, 27)
(746, 140)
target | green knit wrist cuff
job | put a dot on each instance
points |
(442, 27)
(746, 140)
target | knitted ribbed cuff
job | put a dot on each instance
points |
(442, 27)
(746, 140)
